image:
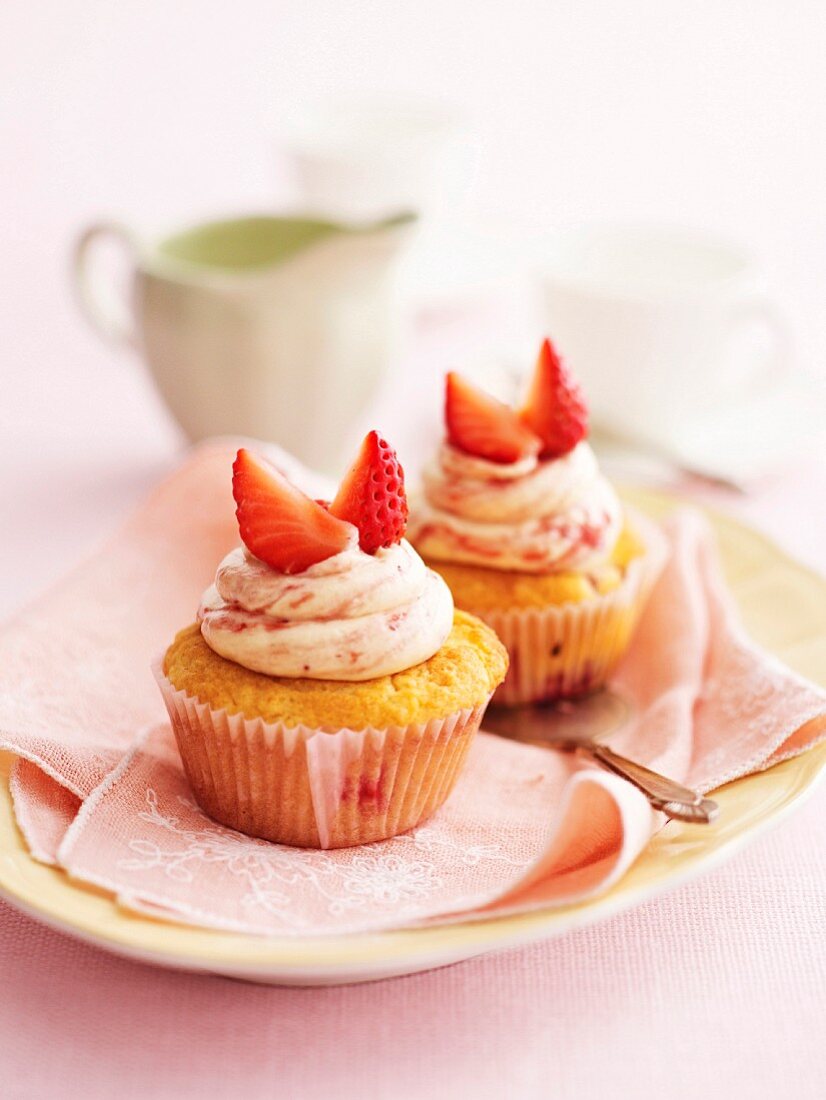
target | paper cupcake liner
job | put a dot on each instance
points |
(310, 788)
(565, 650)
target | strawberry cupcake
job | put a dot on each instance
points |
(529, 535)
(328, 692)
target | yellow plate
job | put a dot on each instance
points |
(784, 607)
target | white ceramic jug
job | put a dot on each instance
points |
(273, 327)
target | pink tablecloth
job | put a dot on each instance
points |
(716, 990)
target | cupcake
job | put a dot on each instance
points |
(532, 538)
(328, 692)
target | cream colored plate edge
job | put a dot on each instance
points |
(784, 607)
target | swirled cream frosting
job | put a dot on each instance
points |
(533, 516)
(352, 617)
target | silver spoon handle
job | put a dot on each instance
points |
(664, 794)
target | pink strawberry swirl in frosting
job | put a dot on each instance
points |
(530, 516)
(352, 617)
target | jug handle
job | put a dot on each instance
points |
(112, 320)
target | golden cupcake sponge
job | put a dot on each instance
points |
(486, 589)
(463, 672)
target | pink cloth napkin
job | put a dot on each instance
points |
(100, 790)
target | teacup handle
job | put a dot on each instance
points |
(112, 320)
(763, 311)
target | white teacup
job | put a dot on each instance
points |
(662, 326)
(360, 157)
(276, 328)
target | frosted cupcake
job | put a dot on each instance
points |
(532, 538)
(328, 693)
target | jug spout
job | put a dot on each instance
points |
(379, 241)
(350, 261)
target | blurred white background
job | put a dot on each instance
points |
(710, 114)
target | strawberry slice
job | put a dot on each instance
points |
(480, 425)
(555, 408)
(372, 495)
(278, 523)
